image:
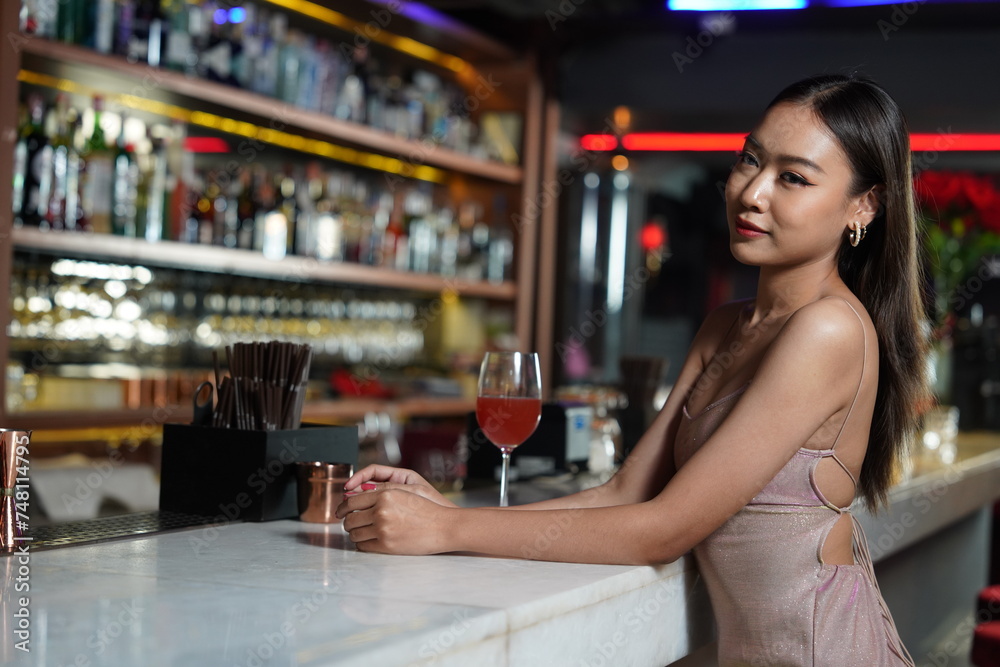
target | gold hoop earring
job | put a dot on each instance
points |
(857, 235)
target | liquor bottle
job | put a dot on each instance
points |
(178, 51)
(104, 32)
(20, 160)
(189, 213)
(209, 223)
(448, 243)
(75, 22)
(353, 211)
(97, 177)
(499, 249)
(289, 63)
(228, 201)
(309, 196)
(329, 228)
(153, 212)
(328, 73)
(308, 84)
(375, 246)
(63, 201)
(124, 25)
(273, 224)
(353, 98)
(396, 248)
(125, 189)
(273, 29)
(145, 39)
(246, 47)
(289, 208)
(216, 58)
(422, 239)
(37, 160)
(246, 207)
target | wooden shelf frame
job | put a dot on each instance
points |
(59, 426)
(216, 259)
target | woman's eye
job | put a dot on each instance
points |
(794, 179)
(744, 157)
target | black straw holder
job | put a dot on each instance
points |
(240, 475)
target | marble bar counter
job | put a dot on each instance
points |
(294, 593)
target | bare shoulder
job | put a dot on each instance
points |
(830, 329)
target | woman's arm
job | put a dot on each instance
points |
(644, 473)
(809, 374)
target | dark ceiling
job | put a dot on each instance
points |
(940, 61)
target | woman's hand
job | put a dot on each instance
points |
(395, 521)
(396, 478)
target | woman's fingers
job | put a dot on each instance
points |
(355, 502)
(381, 473)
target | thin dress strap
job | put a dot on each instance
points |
(864, 363)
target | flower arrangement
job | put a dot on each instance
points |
(960, 212)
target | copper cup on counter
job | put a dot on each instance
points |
(13, 450)
(321, 489)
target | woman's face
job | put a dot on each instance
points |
(788, 198)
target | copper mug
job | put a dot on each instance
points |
(13, 450)
(321, 489)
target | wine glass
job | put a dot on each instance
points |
(509, 403)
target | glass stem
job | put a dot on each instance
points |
(504, 466)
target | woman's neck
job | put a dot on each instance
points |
(782, 291)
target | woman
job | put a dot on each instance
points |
(786, 406)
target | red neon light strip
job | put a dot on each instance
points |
(708, 141)
(955, 142)
(598, 142)
(679, 141)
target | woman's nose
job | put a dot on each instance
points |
(754, 194)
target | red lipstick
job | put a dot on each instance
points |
(745, 228)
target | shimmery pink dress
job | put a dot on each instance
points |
(776, 603)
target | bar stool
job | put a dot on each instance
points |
(986, 645)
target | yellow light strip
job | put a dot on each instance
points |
(243, 129)
(377, 34)
(113, 435)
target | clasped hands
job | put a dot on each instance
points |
(403, 514)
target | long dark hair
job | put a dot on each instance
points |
(883, 270)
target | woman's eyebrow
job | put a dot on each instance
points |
(784, 157)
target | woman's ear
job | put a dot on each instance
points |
(870, 205)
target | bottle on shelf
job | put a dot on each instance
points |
(97, 176)
(272, 223)
(152, 209)
(124, 193)
(353, 96)
(63, 205)
(246, 210)
(33, 160)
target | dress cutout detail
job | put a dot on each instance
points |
(776, 602)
